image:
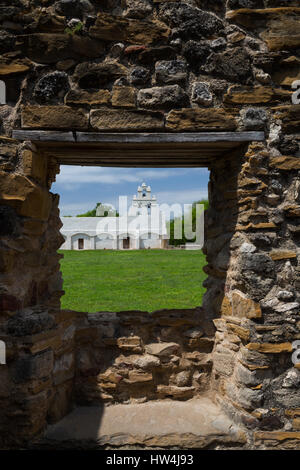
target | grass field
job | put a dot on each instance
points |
(146, 280)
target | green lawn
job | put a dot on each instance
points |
(148, 280)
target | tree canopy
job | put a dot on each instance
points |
(171, 224)
(107, 211)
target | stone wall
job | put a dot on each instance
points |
(130, 357)
(156, 66)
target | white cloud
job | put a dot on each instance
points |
(72, 177)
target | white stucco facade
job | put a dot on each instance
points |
(144, 227)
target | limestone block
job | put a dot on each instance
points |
(241, 332)
(12, 69)
(124, 96)
(277, 25)
(123, 120)
(77, 96)
(170, 71)
(290, 117)
(54, 117)
(282, 254)
(201, 94)
(34, 165)
(110, 375)
(255, 95)
(147, 361)
(245, 397)
(182, 379)
(200, 119)
(288, 72)
(185, 393)
(270, 348)
(130, 343)
(243, 307)
(29, 199)
(170, 96)
(115, 28)
(285, 163)
(50, 48)
(136, 377)
(162, 349)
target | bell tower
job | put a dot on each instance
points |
(144, 197)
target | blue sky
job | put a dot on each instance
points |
(80, 188)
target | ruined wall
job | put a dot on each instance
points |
(133, 357)
(254, 283)
(156, 66)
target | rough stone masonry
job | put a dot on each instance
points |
(155, 66)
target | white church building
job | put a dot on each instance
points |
(143, 226)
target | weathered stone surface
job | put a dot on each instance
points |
(137, 9)
(277, 24)
(170, 71)
(124, 96)
(136, 377)
(54, 117)
(34, 166)
(190, 22)
(285, 163)
(29, 322)
(147, 361)
(132, 343)
(177, 392)
(171, 96)
(32, 367)
(254, 95)
(290, 117)
(96, 76)
(30, 199)
(162, 349)
(282, 254)
(114, 28)
(233, 64)
(201, 94)
(200, 119)
(150, 55)
(270, 348)
(78, 96)
(244, 307)
(50, 48)
(51, 88)
(73, 8)
(254, 118)
(12, 69)
(107, 119)
(196, 53)
(288, 72)
(240, 331)
(139, 76)
(195, 424)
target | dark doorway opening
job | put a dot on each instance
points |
(126, 243)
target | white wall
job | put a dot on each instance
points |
(105, 243)
(88, 241)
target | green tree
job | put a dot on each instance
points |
(171, 224)
(107, 211)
